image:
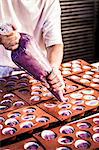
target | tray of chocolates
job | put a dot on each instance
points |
(78, 104)
(87, 78)
(28, 144)
(13, 82)
(26, 119)
(37, 93)
(71, 86)
(75, 67)
(10, 101)
(34, 94)
(81, 135)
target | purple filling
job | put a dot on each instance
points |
(24, 91)
(18, 104)
(28, 117)
(26, 124)
(31, 146)
(9, 95)
(66, 129)
(11, 122)
(65, 112)
(84, 125)
(83, 134)
(14, 77)
(7, 103)
(65, 140)
(23, 84)
(29, 110)
(14, 115)
(42, 119)
(96, 137)
(64, 106)
(2, 81)
(78, 108)
(96, 120)
(9, 131)
(82, 144)
(48, 135)
(96, 129)
(10, 83)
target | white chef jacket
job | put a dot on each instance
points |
(40, 18)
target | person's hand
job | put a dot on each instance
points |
(55, 80)
(11, 40)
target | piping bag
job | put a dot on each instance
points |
(34, 63)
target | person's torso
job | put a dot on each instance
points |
(27, 16)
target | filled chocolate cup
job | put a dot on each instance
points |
(50, 105)
(96, 137)
(65, 105)
(65, 140)
(14, 115)
(11, 122)
(48, 135)
(29, 110)
(7, 103)
(96, 121)
(66, 129)
(83, 125)
(9, 95)
(65, 112)
(34, 98)
(28, 117)
(33, 145)
(26, 124)
(18, 104)
(83, 134)
(42, 119)
(9, 131)
(82, 144)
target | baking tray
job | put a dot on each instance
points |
(26, 119)
(75, 67)
(9, 101)
(80, 135)
(87, 78)
(79, 103)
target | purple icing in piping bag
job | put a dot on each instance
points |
(29, 57)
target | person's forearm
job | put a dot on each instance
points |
(55, 55)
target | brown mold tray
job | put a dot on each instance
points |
(13, 82)
(28, 144)
(80, 135)
(37, 93)
(78, 104)
(87, 78)
(10, 101)
(71, 86)
(26, 119)
(34, 94)
(75, 67)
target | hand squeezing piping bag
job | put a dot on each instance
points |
(29, 57)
